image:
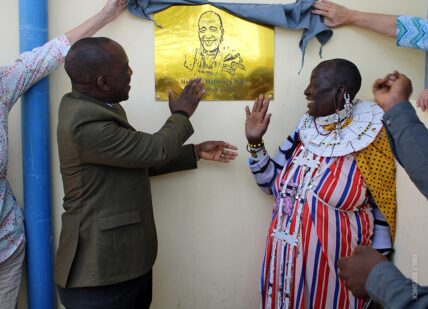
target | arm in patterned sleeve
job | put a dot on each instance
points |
(266, 168)
(29, 68)
(412, 32)
(381, 240)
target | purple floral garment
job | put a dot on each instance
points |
(15, 79)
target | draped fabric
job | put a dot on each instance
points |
(325, 206)
(292, 16)
(330, 222)
(377, 166)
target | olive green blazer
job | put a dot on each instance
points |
(108, 232)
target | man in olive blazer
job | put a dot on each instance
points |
(108, 238)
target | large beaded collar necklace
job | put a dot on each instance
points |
(356, 130)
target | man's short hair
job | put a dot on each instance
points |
(87, 59)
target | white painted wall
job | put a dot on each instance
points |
(212, 221)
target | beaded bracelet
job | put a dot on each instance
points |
(257, 150)
(254, 149)
(256, 146)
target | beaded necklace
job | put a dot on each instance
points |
(356, 130)
(310, 163)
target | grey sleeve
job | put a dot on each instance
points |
(409, 141)
(387, 286)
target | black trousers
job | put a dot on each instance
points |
(132, 294)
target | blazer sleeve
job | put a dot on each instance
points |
(184, 160)
(106, 142)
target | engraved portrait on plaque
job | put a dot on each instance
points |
(233, 56)
(212, 55)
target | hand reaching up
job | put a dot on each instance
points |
(335, 15)
(189, 98)
(257, 121)
(422, 101)
(114, 8)
(394, 88)
(111, 10)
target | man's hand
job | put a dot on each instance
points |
(216, 151)
(392, 89)
(355, 269)
(335, 15)
(257, 121)
(189, 98)
(113, 8)
(422, 101)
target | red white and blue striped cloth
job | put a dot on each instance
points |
(336, 217)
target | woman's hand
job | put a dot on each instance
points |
(111, 10)
(114, 8)
(335, 15)
(422, 101)
(216, 151)
(257, 121)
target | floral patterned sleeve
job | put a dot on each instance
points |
(29, 68)
(412, 32)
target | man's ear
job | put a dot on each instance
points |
(103, 84)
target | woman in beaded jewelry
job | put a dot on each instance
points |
(333, 180)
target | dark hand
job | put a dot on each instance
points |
(216, 151)
(189, 98)
(257, 121)
(355, 269)
(392, 89)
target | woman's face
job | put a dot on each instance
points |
(320, 94)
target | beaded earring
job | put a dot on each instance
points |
(348, 104)
(338, 124)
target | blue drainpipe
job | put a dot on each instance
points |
(33, 22)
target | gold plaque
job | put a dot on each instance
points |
(233, 56)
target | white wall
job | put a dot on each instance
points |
(212, 221)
